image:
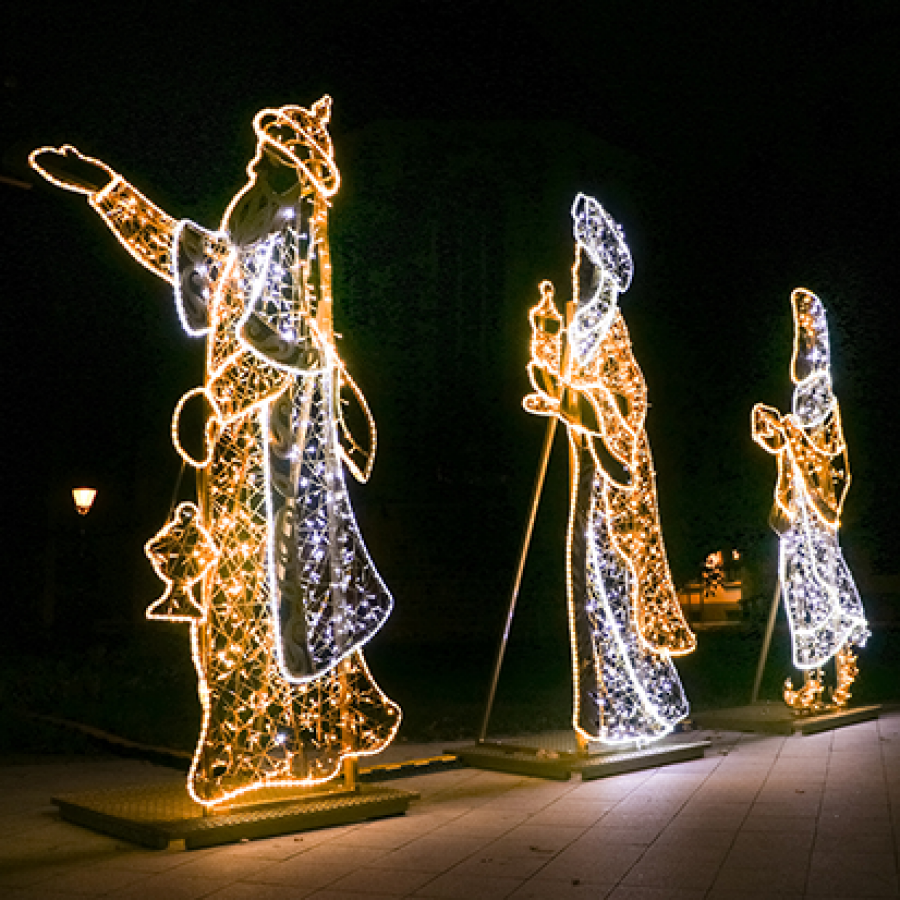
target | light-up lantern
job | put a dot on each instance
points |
(288, 595)
(823, 606)
(625, 621)
(84, 499)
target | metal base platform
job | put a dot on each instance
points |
(778, 718)
(559, 765)
(160, 816)
(601, 765)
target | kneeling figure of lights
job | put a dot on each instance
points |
(287, 593)
(625, 621)
(823, 606)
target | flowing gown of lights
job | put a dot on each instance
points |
(823, 606)
(288, 595)
(624, 617)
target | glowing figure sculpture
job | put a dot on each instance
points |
(823, 606)
(289, 595)
(624, 617)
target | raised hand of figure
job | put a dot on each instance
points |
(67, 167)
(768, 427)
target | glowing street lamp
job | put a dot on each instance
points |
(84, 499)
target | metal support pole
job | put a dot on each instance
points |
(767, 640)
(517, 579)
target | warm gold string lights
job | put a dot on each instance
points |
(288, 593)
(823, 606)
(624, 616)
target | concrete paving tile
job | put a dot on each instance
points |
(298, 871)
(567, 812)
(875, 810)
(692, 851)
(647, 804)
(798, 806)
(555, 889)
(717, 815)
(486, 821)
(640, 835)
(135, 859)
(760, 881)
(221, 866)
(846, 884)
(343, 894)
(376, 840)
(243, 890)
(633, 892)
(624, 816)
(35, 893)
(682, 873)
(28, 877)
(865, 866)
(789, 824)
(686, 839)
(843, 824)
(431, 854)
(491, 864)
(603, 789)
(381, 881)
(802, 842)
(529, 838)
(851, 841)
(587, 861)
(469, 887)
(727, 894)
(170, 886)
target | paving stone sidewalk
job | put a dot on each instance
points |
(779, 818)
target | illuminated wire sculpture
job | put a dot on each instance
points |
(823, 605)
(625, 621)
(289, 595)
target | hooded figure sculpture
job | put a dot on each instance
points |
(288, 593)
(823, 606)
(624, 617)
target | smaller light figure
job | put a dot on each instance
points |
(823, 606)
(625, 621)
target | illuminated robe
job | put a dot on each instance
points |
(823, 605)
(293, 595)
(624, 616)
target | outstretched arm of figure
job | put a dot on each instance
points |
(141, 227)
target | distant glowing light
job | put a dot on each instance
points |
(84, 499)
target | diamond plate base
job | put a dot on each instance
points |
(559, 764)
(605, 764)
(519, 760)
(778, 718)
(158, 816)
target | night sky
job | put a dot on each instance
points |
(746, 148)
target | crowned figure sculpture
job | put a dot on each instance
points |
(268, 567)
(625, 621)
(823, 606)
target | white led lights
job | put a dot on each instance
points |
(823, 606)
(288, 593)
(624, 617)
